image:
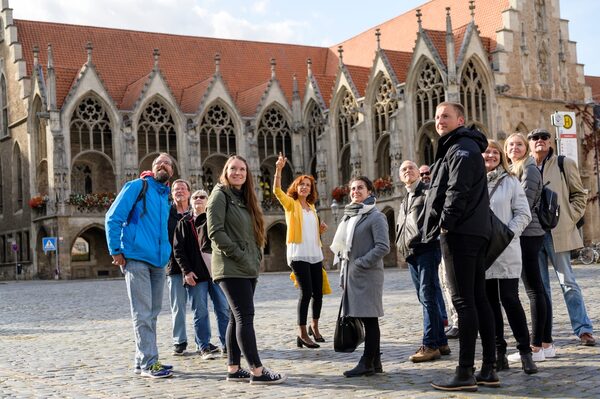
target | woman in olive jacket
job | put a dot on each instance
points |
(236, 229)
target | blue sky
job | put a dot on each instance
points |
(309, 22)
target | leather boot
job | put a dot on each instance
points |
(377, 367)
(529, 366)
(463, 380)
(487, 376)
(501, 360)
(364, 367)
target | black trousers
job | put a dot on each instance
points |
(240, 335)
(506, 291)
(310, 281)
(372, 337)
(534, 286)
(464, 259)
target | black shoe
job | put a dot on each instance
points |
(487, 376)
(445, 350)
(268, 377)
(463, 380)
(311, 332)
(528, 364)
(179, 349)
(452, 333)
(377, 367)
(240, 375)
(364, 367)
(501, 362)
(300, 342)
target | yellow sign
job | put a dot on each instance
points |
(568, 121)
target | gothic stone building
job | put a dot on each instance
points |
(85, 109)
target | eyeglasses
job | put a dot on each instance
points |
(425, 174)
(537, 137)
(199, 197)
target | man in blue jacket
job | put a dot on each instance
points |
(136, 233)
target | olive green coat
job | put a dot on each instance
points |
(234, 249)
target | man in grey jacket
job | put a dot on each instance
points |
(565, 237)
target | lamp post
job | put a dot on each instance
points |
(334, 211)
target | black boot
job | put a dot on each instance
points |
(377, 367)
(463, 380)
(487, 376)
(501, 360)
(364, 367)
(529, 366)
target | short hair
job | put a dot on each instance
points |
(165, 155)
(187, 184)
(460, 110)
(292, 190)
(199, 192)
(409, 161)
(366, 180)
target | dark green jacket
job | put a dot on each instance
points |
(234, 249)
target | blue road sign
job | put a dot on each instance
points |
(49, 244)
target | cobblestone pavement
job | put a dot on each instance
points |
(73, 339)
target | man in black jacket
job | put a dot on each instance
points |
(423, 262)
(457, 211)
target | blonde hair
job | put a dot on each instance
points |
(495, 145)
(517, 166)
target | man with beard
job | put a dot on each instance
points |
(137, 238)
(457, 212)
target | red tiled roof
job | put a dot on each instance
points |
(191, 96)
(325, 83)
(360, 77)
(122, 56)
(400, 33)
(438, 39)
(133, 93)
(248, 100)
(594, 83)
(400, 62)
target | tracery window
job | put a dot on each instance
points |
(90, 128)
(347, 117)
(316, 127)
(4, 107)
(540, 15)
(473, 95)
(1, 189)
(81, 179)
(274, 135)
(217, 133)
(156, 131)
(18, 177)
(385, 105)
(429, 93)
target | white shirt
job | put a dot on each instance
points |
(309, 250)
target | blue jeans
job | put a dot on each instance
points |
(424, 273)
(561, 261)
(199, 298)
(145, 285)
(178, 297)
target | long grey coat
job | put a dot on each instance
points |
(370, 243)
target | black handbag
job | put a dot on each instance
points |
(500, 238)
(349, 331)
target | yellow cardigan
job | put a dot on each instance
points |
(293, 216)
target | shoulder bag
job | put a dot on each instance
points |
(349, 331)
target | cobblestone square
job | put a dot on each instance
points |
(74, 339)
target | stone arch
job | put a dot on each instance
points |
(90, 126)
(275, 257)
(344, 167)
(384, 103)
(475, 92)
(18, 181)
(3, 106)
(391, 259)
(211, 170)
(92, 172)
(522, 128)
(315, 123)
(267, 172)
(383, 161)
(217, 130)
(45, 260)
(428, 139)
(157, 128)
(40, 147)
(274, 134)
(96, 261)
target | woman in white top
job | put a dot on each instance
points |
(304, 254)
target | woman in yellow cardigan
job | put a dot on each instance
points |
(304, 254)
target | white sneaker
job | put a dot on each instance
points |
(550, 351)
(539, 356)
(514, 357)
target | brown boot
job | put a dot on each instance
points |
(425, 354)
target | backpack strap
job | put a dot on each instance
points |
(141, 197)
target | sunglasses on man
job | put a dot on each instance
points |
(425, 174)
(537, 137)
(195, 197)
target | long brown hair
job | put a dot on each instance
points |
(258, 224)
(292, 191)
(517, 166)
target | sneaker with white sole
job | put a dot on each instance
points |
(514, 357)
(210, 352)
(268, 377)
(538, 356)
(550, 351)
(157, 370)
(240, 375)
(138, 369)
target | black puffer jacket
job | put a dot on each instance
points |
(190, 238)
(408, 229)
(174, 217)
(458, 199)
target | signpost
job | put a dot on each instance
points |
(15, 248)
(566, 134)
(50, 244)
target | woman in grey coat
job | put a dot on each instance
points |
(525, 169)
(508, 201)
(360, 243)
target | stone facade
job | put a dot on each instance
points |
(79, 136)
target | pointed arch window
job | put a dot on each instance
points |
(316, 127)
(274, 135)
(429, 93)
(385, 104)
(347, 117)
(81, 179)
(4, 107)
(473, 95)
(156, 131)
(90, 128)
(217, 133)
(18, 178)
(1, 189)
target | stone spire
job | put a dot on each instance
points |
(378, 38)
(156, 55)
(88, 49)
(472, 8)
(450, 54)
(217, 64)
(36, 55)
(295, 91)
(309, 67)
(341, 54)
(273, 64)
(51, 87)
(419, 15)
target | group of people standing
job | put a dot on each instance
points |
(217, 246)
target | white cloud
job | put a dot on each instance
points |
(260, 7)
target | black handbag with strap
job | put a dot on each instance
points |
(349, 331)
(501, 235)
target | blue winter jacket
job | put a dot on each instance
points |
(144, 238)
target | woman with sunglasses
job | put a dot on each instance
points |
(304, 254)
(191, 249)
(532, 238)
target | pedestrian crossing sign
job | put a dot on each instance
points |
(49, 244)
